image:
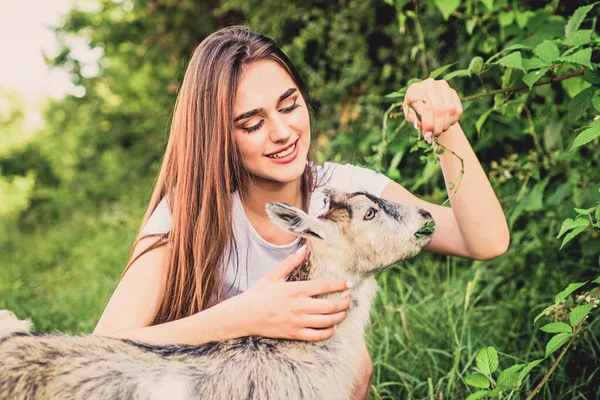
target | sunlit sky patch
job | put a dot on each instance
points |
(25, 32)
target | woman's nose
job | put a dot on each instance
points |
(280, 131)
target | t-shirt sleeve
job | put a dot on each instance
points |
(351, 178)
(161, 219)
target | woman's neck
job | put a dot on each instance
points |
(261, 192)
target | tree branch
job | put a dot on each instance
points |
(562, 353)
(521, 87)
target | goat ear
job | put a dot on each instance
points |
(294, 220)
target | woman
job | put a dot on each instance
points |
(208, 263)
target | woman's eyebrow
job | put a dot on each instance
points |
(252, 113)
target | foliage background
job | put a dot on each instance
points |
(72, 195)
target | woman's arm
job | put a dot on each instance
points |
(475, 226)
(271, 308)
(137, 298)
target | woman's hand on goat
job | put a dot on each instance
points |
(437, 105)
(278, 309)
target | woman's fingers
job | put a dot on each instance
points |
(425, 111)
(442, 114)
(281, 271)
(452, 105)
(313, 288)
(324, 306)
(313, 335)
(437, 105)
(457, 105)
(323, 320)
(409, 111)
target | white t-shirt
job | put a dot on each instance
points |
(256, 256)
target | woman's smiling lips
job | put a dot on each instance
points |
(291, 150)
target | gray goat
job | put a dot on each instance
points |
(357, 236)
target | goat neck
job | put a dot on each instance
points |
(320, 265)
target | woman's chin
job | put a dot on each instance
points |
(283, 173)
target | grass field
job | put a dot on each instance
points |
(431, 316)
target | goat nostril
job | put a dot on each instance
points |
(425, 214)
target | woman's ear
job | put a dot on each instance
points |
(295, 220)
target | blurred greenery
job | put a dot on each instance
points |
(72, 194)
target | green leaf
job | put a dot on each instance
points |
(547, 51)
(569, 224)
(596, 100)
(597, 214)
(478, 380)
(421, 144)
(476, 65)
(533, 63)
(439, 71)
(556, 327)
(446, 7)
(578, 313)
(591, 77)
(506, 80)
(487, 360)
(571, 235)
(597, 280)
(509, 378)
(470, 25)
(532, 77)
(478, 395)
(556, 342)
(579, 38)
(579, 104)
(582, 57)
(552, 140)
(534, 200)
(512, 60)
(586, 136)
(567, 291)
(528, 368)
(457, 73)
(506, 18)
(585, 211)
(396, 95)
(523, 17)
(506, 49)
(546, 311)
(576, 19)
(489, 4)
(482, 118)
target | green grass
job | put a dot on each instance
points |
(61, 278)
(431, 316)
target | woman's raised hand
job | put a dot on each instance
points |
(278, 309)
(437, 104)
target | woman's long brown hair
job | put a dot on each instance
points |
(202, 167)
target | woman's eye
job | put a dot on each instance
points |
(255, 127)
(370, 214)
(262, 121)
(290, 108)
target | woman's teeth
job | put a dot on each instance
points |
(283, 153)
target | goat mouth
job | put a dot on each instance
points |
(427, 230)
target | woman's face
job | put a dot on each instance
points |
(271, 123)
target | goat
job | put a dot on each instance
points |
(357, 236)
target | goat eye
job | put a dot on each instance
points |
(370, 214)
